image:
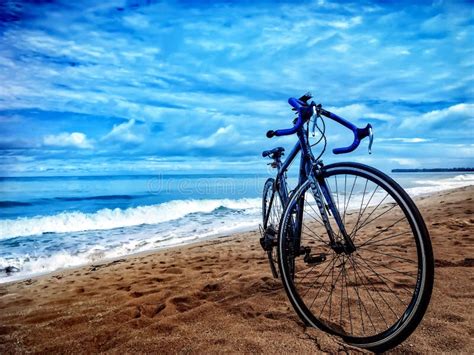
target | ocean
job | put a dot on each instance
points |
(51, 223)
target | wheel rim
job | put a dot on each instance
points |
(275, 211)
(371, 293)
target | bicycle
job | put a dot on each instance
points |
(352, 249)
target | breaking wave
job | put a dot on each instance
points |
(116, 218)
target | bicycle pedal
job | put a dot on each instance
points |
(314, 259)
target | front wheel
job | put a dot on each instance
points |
(373, 297)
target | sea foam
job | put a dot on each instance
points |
(115, 218)
(430, 186)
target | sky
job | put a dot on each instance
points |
(143, 86)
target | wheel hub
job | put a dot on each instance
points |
(340, 248)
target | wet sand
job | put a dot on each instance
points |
(219, 296)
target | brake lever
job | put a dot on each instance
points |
(315, 116)
(371, 138)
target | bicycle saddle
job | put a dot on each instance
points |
(277, 152)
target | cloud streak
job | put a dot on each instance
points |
(74, 139)
(151, 84)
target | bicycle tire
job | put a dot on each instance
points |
(418, 303)
(272, 206)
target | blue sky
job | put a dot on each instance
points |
(142, 86)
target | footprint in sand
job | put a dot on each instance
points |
(159, 279)
(173, 270)
(212, 287)
(147, 310)
(246, 311)
(452, 318)
(467, 262)
(124, 288)
(184, 303)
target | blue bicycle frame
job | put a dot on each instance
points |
(311, 170)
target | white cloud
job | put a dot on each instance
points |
(342, 48)
(460, 109)
(404, 140)
(398, 50)
(356, 111)
(74, 139)
(137, 21)
(125, 132)
(457, 112)
(227, 133)
(260, 56)
(343, 25)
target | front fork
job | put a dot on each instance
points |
(321, 193)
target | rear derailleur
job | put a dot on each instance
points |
(269, 238)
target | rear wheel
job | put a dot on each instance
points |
(271, 213)
(375, 296)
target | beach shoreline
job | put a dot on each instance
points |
(20, 276)
(218, 296)
(65, 229)
(112, 260)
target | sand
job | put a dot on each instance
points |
(219, 296)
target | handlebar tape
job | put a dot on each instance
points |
(359, 134)
(298, 105)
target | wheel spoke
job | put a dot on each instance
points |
(330, 300)
(386, 267)
(363, 224)
(361, 214)
(324, 282)
(361, 303)
(381, 277)
(362, 294)
(361, 204)
(345, 186)
(348, 201)
(380, 215)
(387, 254)
(332, 289)
(332, 263)
(376, 243)
(370, 295)
(384, 230)
(348, 303)
(315, 237)
(378, 292)
(311, 269)
(316, 214)
(355, 286)
(342, 292)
